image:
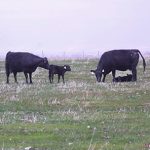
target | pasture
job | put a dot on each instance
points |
(78, 115)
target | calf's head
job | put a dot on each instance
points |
(67, 68)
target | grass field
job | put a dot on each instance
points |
(78, 115)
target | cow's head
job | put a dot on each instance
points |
(98, 74)
(67, 68)
(44, 63)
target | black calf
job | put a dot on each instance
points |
(60, 70)
(127, 78)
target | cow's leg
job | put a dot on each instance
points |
(134, 74)
(15, 76)
(7, 74)
(30, 75)
(26, 76)
(113, 74)
(104, 76)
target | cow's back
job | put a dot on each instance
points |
(15, 61)
(119, 59)
(20, 61)
(12, 62)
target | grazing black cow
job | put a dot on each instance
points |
(23, 62)
(60, 70)
(118, 60)
(127, 78)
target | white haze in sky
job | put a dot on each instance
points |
(73, 27)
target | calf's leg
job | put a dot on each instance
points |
(50, 77)
(63, 78)
(58, 78)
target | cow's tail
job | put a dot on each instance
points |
(144, 63)
(7, 64)
(6, 67)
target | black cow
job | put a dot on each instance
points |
(127, 78)
(23, 62)
(118, 60)
(60, 70)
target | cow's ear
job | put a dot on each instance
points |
(93, 71)
(45, 60)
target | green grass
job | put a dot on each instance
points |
(78, 115)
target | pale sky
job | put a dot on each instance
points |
(73, 26)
